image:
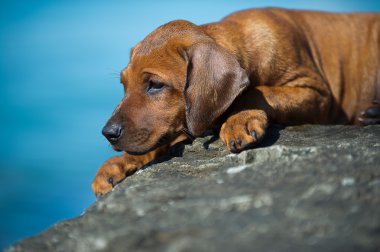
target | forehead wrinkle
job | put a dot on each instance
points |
(177, 29)
(151, 43)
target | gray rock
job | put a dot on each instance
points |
(306, 188)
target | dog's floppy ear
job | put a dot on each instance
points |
(214, 79)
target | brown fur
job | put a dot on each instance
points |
(252, 68)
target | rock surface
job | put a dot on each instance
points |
(306, 188)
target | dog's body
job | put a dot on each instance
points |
(252, 68)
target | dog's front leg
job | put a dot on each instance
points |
(117, 168)
(290, 104)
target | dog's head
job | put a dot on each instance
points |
(177, 78)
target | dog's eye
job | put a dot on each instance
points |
(155, 86)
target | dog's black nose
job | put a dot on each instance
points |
(112, 131)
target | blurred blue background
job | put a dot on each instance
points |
(59, 82)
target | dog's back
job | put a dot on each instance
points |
(344, 48)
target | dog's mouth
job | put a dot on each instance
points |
(136, 150)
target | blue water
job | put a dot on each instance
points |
(59, 65)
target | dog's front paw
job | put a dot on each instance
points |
(244, 129)
(112, 172)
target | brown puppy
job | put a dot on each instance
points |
(250, 69)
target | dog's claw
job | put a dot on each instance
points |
(238, 141)
(254, 134)
(233, 146)
(110, 181)
(232, 143)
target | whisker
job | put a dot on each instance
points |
(114, 75)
